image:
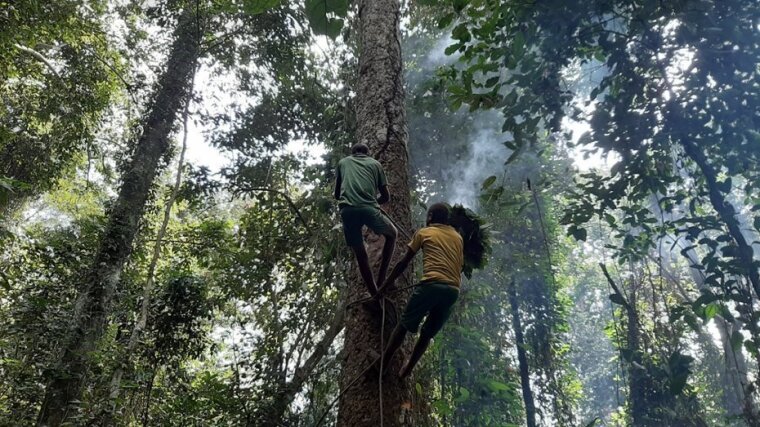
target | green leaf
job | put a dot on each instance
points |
(418, 387)
(318, 12)
(704, 299)
(451, 49)
(580, 234)
(593, 422)
(492, 81)
(446, 21)
(518, 45)
(737, 339)
(756, 223)
(254, 7)
(497, 386)
(751, 347)
(442, 407)
(459, 5)
(461, 33)
(488, 182)
(711, 310)
(464, 394)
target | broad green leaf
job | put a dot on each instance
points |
(446, 20)
(496, 386)
(459, 5)
(711, 310)
(461, 33)
(324, 16)
(578, 233)
(488, 182)
(254, 7)
(464, 394)
(451, 49)
(594, 422)
(737, 339)
(751, 347)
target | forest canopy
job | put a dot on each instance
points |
(172, 251)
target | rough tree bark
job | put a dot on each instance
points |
(92, 306)
(381, 124)
(522, 358)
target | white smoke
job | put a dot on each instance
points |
(486, 156)
(485, 152)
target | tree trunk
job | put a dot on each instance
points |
(637, 378)
(637, 382)
(381, 124)
(92, 305)
(726, 212)
(522, 358)
(142, 320)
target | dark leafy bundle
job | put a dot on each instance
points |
(476, 236)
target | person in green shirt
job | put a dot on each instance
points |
(433, 299)
(358, 180)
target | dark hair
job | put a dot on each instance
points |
(360, 148)
(439, 213)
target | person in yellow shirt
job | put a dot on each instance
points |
(442, 262)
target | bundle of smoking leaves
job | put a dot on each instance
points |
(476, 236)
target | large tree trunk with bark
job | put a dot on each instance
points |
(381, 124)
(93, 303)
(522, 358)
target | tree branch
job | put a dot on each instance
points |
(615, 287)
(288, 199)
(39, 57)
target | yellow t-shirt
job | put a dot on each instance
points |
(442, 253)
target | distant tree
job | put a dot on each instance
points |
(58, 76)
(93, 303)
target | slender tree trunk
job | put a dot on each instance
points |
(142, 320)
(745, 253)
(93, 304)
(726, 212)
(522, 358)
(636, 373)
(381, 124)
(637, 380)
